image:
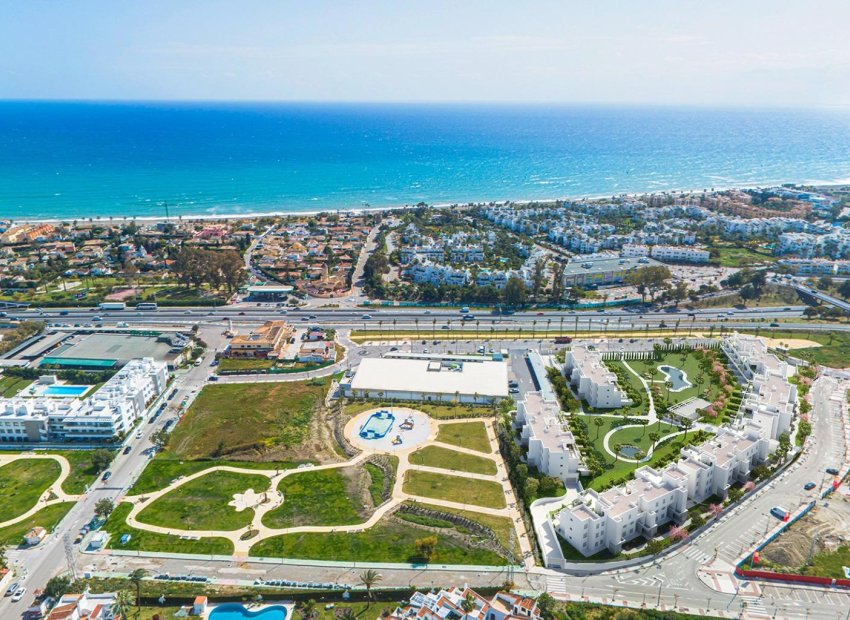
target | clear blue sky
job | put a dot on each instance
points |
(750, 52)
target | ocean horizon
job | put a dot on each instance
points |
(75, 160)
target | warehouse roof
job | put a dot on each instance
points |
(485, 378)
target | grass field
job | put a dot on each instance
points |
(202, 503)
(731, 256)
(83, 472)
(46, 517)
(438, 412)
(388, 541)
(454, 489)
(22, 482)
(501, 526)
(233, 419)
(470, 435)
(324, 497)
(141, 540)
(228, 363)
(159, 472)
(437, 456)
(10, 386)
(833, 352)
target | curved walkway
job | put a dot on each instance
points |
(649, 452)
(651, 415)
(397, 497)
(53, 494)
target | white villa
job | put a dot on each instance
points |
(447, 604)
(591, 380)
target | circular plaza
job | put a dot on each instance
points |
(390, 429)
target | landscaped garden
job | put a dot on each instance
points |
(202, 503)
(445, 458)
(22, 482)
(338, 496)
(454, 489)
(470, 435)
(143, 540)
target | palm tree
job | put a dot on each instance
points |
(368, 579)
(347, 614)
(654, 437)
(308, 609)
(599, 423)
(686, 424)
(617, 448)
(122, 604)
(136, 579)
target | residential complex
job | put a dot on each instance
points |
(455, 602)
(550, 448)
(592, 380)
(108, 413)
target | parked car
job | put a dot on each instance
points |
(779, 512)
(809, 486)
(832, 471)
(19, 594)
(106, 475)
(12, 589)
(128, 449)
(514, 390)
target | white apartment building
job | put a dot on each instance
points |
(466, 254)
(551, 448)
(679, 254)
(591, 379)
(111, 411)
(770, 399)
(634, 250)
(609, 519)
(427, 272)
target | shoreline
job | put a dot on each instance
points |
(145, 219)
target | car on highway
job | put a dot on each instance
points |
(832, 471)
(97, 319)
(809, 486)
(187, 312)
(128, 449)
(540, 314)
(366, 317)
(427, 312)
(106, 475)
(19, 594)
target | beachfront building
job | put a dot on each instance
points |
(770, 399)
(448, 604)
(265, 342)
(592, 380)
(430, 380)
(550, 448)
(607, 520)
(110, 412)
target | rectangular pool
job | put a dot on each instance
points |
(67, 391)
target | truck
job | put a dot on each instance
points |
(112, 305)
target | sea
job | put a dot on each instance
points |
(76, 160)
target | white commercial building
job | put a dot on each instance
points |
(591, 380)
(438, 380)
(109, 412)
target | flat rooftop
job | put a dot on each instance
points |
(579, 266)
(485, 378)
(117, 347)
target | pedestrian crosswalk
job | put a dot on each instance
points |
(700, 556)
(753, 607)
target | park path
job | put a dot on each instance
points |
(652, 416)
(53, 494)
(397, 496)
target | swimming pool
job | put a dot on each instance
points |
(237, 611)
(677, 377)
(65, 390)
(378, 425)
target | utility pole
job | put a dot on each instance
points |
(69, 555)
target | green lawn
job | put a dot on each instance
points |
(244, 364)
(22, 482)
(141, 540)
(202, 503)
(324, 497)
(437, 456)
(438, 412)
(731, 256)
(387, 541)
(376, 480)
(46, 517)
(83, 472)
(470, 435)
(454, 489)
(833, 352)
(248, 419)
(10, 386)
(160, 472)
